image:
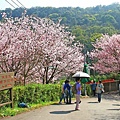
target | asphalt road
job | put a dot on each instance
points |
(90, 109)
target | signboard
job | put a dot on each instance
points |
(6, 80)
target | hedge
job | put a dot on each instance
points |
(32, 93)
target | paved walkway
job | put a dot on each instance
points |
(90, 109)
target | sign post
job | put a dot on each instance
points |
(7, 83)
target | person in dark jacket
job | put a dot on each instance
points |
(93, 87)
(67, 90)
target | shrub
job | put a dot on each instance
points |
(32, 93)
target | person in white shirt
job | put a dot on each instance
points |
(99, 90)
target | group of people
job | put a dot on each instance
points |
(67, 93)
(97, 88)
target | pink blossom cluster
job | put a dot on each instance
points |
(106, 54)
(37, 49)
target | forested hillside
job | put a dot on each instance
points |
(86, 24)
(99, 15)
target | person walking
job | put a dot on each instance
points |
(63, 95)
(99, 90)
(78, 93)
(93, 87)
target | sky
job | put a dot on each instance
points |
(56, 3)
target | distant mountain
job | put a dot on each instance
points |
(86, 24)
(99, 15)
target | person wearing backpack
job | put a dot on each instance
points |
(78, 93)
(63, 95)
(67, 90)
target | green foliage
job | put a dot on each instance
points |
(95, 36)
(74, 90)
(115, 76)
(7, 111)
(88, 90)
(32, 93)
(4, 96)
(99, 15)
(37, 93)
(86, 24)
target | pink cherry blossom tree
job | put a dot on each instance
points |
(59, 60)
(19, 50)
(106, 54)
(37, 49)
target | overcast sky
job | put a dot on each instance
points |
(57, 3)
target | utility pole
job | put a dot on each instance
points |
(119, 87)
(84, 52)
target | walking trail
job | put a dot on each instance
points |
(90, 109)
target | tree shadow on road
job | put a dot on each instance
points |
(116, 104)
(62, 112)
(62, 104)
(92, 102)
(114, 109)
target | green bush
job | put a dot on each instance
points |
(115, 76)
(36, 93)
(32, 93)
(4, 96)
(88, 90)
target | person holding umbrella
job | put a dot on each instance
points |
(78, 93)
(78, 75)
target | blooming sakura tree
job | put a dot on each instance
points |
(18, 49)
(59, 60)
(106, 54)
(37, 49)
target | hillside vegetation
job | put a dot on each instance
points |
(86, 24)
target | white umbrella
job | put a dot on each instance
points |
(81, 75)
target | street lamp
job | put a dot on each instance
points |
(84, 80)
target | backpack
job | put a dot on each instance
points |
(22, 105)
(74, 90)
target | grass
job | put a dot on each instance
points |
(7, 111)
